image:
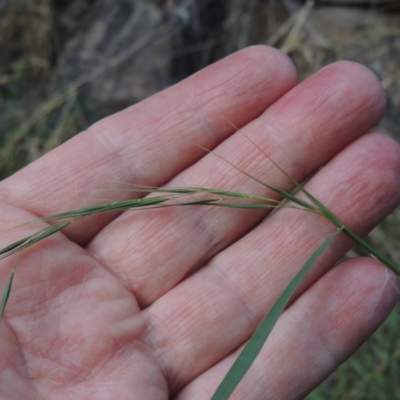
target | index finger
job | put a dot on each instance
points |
(143, 144)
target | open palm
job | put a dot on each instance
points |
(157, 304)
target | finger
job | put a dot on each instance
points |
(214, 311)
(313, 337)
(144, 144)
(154, 251)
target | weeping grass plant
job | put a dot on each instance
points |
(193, 196)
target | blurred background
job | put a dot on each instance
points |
(65, 64)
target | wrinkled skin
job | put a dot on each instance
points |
(156, 304)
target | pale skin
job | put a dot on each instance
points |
(156, 304)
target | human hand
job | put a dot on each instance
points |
(156, 304)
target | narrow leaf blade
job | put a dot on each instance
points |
(256, 342)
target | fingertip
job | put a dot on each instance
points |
(387, 156)
(356, 71)
(371, 166)
(363, 293)
(261, 71)
(360, 81)
(266, 57)
(374, 283)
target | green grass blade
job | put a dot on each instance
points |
(18, 246)
(107, 207)
(225, 193)
(13, 246)
(137, 204)
(6, 293)
(328, 214)
(256, 342)
(371, 250)
(31, 240)
(47, 232)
